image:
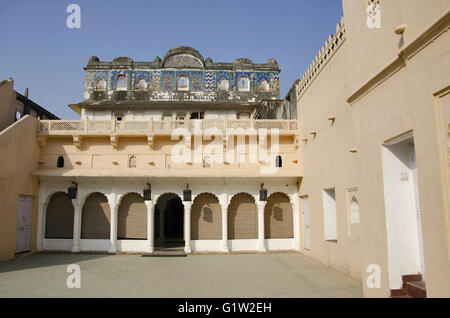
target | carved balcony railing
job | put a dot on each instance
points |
(164, 127)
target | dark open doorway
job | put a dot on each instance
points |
(169, 221)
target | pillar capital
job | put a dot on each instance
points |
(149, 204)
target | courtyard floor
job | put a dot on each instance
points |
(230, 275)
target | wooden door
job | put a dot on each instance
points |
(24, 219)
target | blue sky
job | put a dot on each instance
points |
(41, 53)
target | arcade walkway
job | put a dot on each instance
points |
(246, 275)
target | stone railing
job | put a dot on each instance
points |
(331, 46)
(164, 127)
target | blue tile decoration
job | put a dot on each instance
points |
(210, 81)
(197, 81)
(155, 80)
(274, 81)
(114, 75)
(168, 80)
(138, 75)
(165, 80)
(100, 75)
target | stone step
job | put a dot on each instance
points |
(417, 289)
(173, 252)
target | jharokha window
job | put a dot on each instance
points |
(223, 84)
(142, 84)
(121, 83)
(263, 86)
(101, 85)
(183, 83)
(243, 84)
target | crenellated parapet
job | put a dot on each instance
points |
(327, 52)
(182, 75)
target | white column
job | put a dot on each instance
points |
(40, 229)
(187, 226)
(113, 230)
(76, 226)
(261, 246)
(225, 227)
(150, 226)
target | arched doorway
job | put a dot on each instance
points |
(278, 217)
(169, 221)
(59, 217)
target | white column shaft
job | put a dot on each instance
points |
(225, 229)
(113, 229)
(187, 226)
(150, 226)
(261, 246)
(76, 227)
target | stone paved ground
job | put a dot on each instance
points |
(247, 275)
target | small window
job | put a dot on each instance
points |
(278, 162)
(132, 162)
(142, 84)
(121, 83)
(183, 83)
(243, 116)
(354, 211)
(119, 116)
(224, 84)
(60, 162)
(243, 84)
(329, 215)
(181, 116)
(101, 85)
(206, 162)
(263, 86)
(197, 115)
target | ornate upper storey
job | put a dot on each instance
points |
(182, 75)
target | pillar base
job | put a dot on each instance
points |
(187, 249)
(261, 247)
(75, 249)
(225, 248)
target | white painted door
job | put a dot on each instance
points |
(306, 223)
(417, 204)
(24, 217)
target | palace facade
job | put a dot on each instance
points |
(352, 168)
(135, 190)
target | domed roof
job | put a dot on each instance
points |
(183, 50)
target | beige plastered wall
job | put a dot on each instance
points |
(411, 99)
(19, 155)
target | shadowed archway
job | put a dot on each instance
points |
(169, 221)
